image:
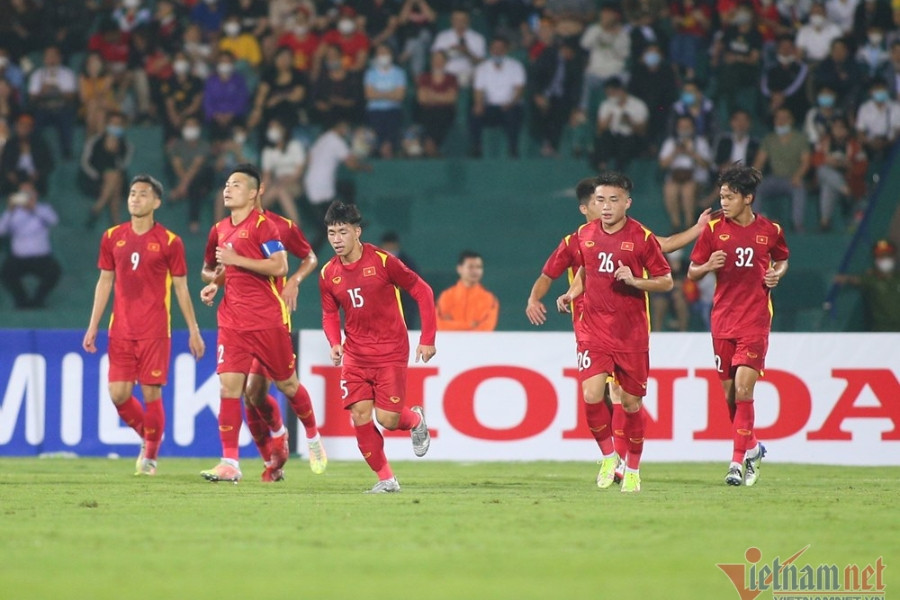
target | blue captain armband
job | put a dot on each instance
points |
(271, 247)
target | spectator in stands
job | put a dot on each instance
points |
(784, 83)
(225, 98)
(66, 24)
(609, 47)
(390, 242)
(103, 170)
(646, 27)
(556, 79)
(468, 306)
(416, 31)
(241, 44)
(735, 147)
(166, 26)
(28, 223)
(868, 13)
(4, 133)
(337, 93)
(816, 122)
(283, 161)
(329, 152)
(692, 103)
(130, 15)
(653, 80)
(52, 92)
(182, 97)
(891, 70)
(11, 73)
(9, 102)
(208, 15)
(878, 121)
(302, 41)
(736, 59)
(281, 95)
(880, 288)
(252, 15)
(840, 73)
(685, 158)
(190, 159)
(436, 95)
(841, 165)
(794, 12)
(112, 44)
(498, 86)
(149, 66)
(464, 46)
(198, 51)
(840, 12)
(26, 158)
(786, 152)
(381, 19)
(873, 55)
(385, 90)
(20, 27)
(504, 15)
(353, 43)
(231, 152)
(96, 93)
(814, 39)
(621, 127)
(691, 21)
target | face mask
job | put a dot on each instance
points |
(817, 20)
(334, 65)
(115, 130)
(880, 96)
(239, 137)
(210, 1)
(783, 129)
(885, 264)
(3, 62)
(875, 39)
(191, 133)
(225, 69)
(688, 99)
(131, 4)
(383, 61)
(498, 60)
(685, 135)
(231, 29)
(651, 59)
(742, 18)
(301, 30)
(181, 67)
(273, 135)
(785, 59)
(346, 26)
(825, 100)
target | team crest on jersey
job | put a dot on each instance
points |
(395, 399)
(120, 243)
(335, 280)
(724, 237)
(752, 355)
(243, 233)
(368, 271)
(762, 239)
(589, 244)
(629, 246)
(156, 372)
(153, 247)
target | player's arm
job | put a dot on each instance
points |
(535, 309)
(775, 272)
(331, 322)
(183, 295)
(716, 261)
(576, 288)
(101, 297)
(422, 293)
(683, 238)
(274, 265)
(292, 285)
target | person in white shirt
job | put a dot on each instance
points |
(283, 160)
(609, 46)
(841, 13)
(52, 91)
(621, 125)
(498, 84)
(328, 152)
(685, 158)
(814, 39)
(464, 47)
(878, 121)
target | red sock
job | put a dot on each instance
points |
(154, 426)
(302, 406)
(230, 426)
(598, 419)
(270, 413)
(371, 445)
(259, 429)
(132, 413)
(408, 419)
(743, 429)
(751, 443)
(634, 435)
(618, 430)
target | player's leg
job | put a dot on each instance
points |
(369, 439)
(599, 421)
(618, 426)
(265, 423)
(748, 360)
(392, 412)
(723, 350)
(632, 372)
(123, 371)
(300, 401)
(153, 372)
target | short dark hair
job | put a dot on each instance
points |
(741, 179)
(466, 255)
(615, 179)
(584, 189)
(740, 111)
(153, 182)
(339, 214)
(249, 170)
(390, 237)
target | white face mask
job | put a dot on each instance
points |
(231, 29)
(875, 39)
(239, 137)
(225, 69)
(817, 20)
(274, 135)
(131, 4)
(301, 30)
(181, 67)
(191, 133)
(383, 61)
(884, 264)
(346, 26)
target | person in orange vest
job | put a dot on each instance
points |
(467, 306)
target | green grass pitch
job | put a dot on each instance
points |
(88, 529)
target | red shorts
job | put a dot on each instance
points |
(236, 351)
(630, 369)
(144, 361)
(256, 368)
(736, 352)
(386, 385)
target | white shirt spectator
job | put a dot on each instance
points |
(499, 83)
(738, 150)
(873, 120)
(459, 64)
(816, 43)
(29, 229)
(634, 107)
(840, 12)
(608, 51)
(325, 156)
(286, 163)
(62, 77)
(686, 161)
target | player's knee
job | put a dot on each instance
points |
(389, 421)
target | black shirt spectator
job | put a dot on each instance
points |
(26, 158)
(653, 80)
(557, 77)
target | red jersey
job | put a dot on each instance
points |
(303, 50)
(565, 259)
(742, 306)
(291, 237)
(144, 266)
(368, 292)
(251, 301)
(350, 46)
(615, 313)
